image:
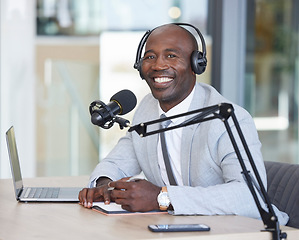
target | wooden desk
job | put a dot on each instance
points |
(72, 221)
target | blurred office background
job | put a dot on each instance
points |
(57, 56)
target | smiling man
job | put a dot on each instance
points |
(206, 172)
(166, 65)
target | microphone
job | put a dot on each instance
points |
(120, 103)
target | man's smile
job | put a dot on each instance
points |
(162, 79)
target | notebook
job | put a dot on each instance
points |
(33, 194)
(116, 209)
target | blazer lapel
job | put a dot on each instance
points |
(152, 142)
(188, 133)
(153, 158)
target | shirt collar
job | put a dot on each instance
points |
(182, 107)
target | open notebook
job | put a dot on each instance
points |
(115, 209)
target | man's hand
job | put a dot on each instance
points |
(100, 193)
(135, 196)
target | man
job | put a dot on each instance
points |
(205, 167)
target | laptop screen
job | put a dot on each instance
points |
(14, 160)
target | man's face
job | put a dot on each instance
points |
(166, 65)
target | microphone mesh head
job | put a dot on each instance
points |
(126, 100)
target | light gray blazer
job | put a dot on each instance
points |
(213, 183)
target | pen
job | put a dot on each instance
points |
(131, 179)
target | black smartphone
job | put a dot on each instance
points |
(178, 227)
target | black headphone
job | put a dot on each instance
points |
(198, 59)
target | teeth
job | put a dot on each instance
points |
(163, 80)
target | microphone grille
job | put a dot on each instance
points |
(126, 100)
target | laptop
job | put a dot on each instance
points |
(34, 194)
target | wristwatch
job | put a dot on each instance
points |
(163, 199)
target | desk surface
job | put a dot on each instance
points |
(72, 221)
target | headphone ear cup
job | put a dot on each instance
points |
(139, 68)
(198, 62)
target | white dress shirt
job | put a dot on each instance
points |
(173, 141)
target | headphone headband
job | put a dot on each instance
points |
(203, 44)
(198, 59)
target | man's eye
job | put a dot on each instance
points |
(148, 57)
(171, 56)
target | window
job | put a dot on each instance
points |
(272, 77)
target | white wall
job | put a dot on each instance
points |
(17, 82)
(233, 50)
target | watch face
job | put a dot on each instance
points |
(163, 199)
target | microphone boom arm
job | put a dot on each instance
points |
(223, 112)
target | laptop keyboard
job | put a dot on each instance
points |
(42, 193)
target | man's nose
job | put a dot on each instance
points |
(160, 64)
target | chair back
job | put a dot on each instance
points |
(283, 189)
